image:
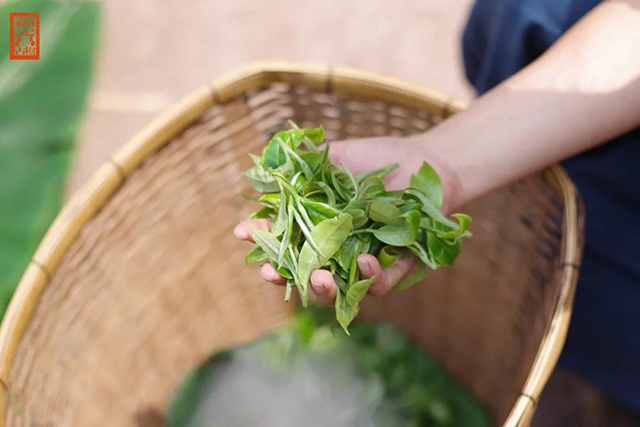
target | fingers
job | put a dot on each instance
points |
(270, 274)
(323, 287)
(385, 279)
(243, 230)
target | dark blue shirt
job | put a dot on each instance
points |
(501, 37)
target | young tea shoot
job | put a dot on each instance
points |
(324, 217)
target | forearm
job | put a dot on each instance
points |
(581, 93)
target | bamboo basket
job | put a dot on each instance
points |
(140, 277)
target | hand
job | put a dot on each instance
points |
(359, 156)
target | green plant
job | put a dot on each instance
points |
(324, 217)
(42, 104)
(310, 374)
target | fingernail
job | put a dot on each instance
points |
(318, 287)
(268, 275)
(365, 268)
(241, 232)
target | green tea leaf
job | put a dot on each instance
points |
(384, 212)
(341, 282)
(304, 167)
(280, 224)
(287, 295)
(430, 208)
(386, 259)
(283, 271)
(256, 255)
(358, 290)
(318, 212)
(413, 219)
(423, 255)
(333, 216)
(313, 159)
(305, 230)
(286, 239)
(348, 250)
(303, 212)
(263, 212)
(358, 216)
(419, 272)
(270, 199)
(443, 252)
(338, 187)
(315, 135)
(380, 173)
(371, 187)
(273, 155)
(261, 180)
(403, 234)
(428, 182)
(331, 196)
(395, 234)
(464, 221)
(354, 272)
(329, 235)
(354, 183)
(267, 241)
(345, 313)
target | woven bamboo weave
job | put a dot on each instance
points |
(140, 276)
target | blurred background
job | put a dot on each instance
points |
(152, 53)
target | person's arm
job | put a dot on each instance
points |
(582, 92)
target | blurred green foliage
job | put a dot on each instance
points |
(41, 107)
(311, 373)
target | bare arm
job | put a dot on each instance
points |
(581, 93)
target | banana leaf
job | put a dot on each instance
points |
(41, 108)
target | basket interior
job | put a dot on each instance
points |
(156, 280)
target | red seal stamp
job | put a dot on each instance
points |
(25, 35)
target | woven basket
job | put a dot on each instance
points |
(140, 276)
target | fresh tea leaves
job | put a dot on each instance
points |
(324, 217)
(309, 375)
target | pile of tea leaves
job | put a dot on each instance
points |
(311, 374)
(323, 217)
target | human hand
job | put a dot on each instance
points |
(361, 155)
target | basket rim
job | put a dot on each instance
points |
(106, 181)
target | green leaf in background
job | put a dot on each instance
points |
(375, 378)
(41, 108)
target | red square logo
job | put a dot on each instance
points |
(25, 35)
